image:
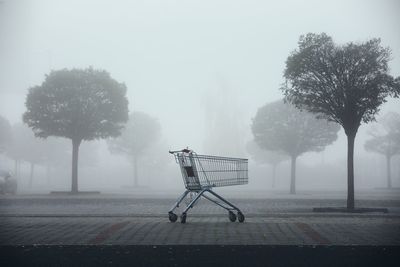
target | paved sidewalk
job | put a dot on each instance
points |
(199, 230)
(133, 221)
(123, 206)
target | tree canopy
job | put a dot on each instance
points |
(282, 127)
(386, 139)
(25, 146)
(139, 133)
(344, 83)
(77, 104)
(262, 156)
(383, 145)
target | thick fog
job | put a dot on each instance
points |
(200, 68)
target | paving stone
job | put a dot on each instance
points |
(121, 221)
(158, 231)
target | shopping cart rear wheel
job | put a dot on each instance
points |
(232, 216)
(240, 217)
(172, 217)
(183, 218)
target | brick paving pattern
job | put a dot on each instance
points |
(145, 222)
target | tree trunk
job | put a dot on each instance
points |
(135, 172)
(398, 169)
(31, 175)
(273, 174)
(48, 174)
(388, 171)
(293, 176)
(75, 152)
(16, 168)
(350, 171)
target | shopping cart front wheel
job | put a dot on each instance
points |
(172, 217)
(183, 217)
(232, 216)
(240, 217)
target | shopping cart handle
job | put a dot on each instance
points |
(185, 150)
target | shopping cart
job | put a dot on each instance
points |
(201, 173)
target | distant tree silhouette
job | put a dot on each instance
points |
(5, 134)
(386, 140)
(141, 132)
(279, 126)
(80, 105)
(15, 149)
(56, 153)
(343, 83)
(25, 147)
(270, 157)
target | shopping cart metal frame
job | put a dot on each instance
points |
(201, 173)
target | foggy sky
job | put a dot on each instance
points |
(172, 54)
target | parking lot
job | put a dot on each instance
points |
(127, 220)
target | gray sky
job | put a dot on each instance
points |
(172, 55)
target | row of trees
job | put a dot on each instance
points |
(326, 85)
(342, 84)
(23, 147)
(80, 105)
(20, 144)
(274, 144)
(140, 134)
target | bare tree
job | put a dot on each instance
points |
(343, 83)
(280, 126)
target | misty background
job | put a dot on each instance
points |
(201, 68)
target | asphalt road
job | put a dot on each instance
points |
(214, 255)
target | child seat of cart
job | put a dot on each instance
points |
(189, 171)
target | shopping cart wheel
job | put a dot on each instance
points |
(183, 218)
(232, 216)
(240, 217)
(172, 217)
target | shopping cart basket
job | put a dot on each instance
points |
(201, 173)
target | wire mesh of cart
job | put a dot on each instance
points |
(201, 173)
